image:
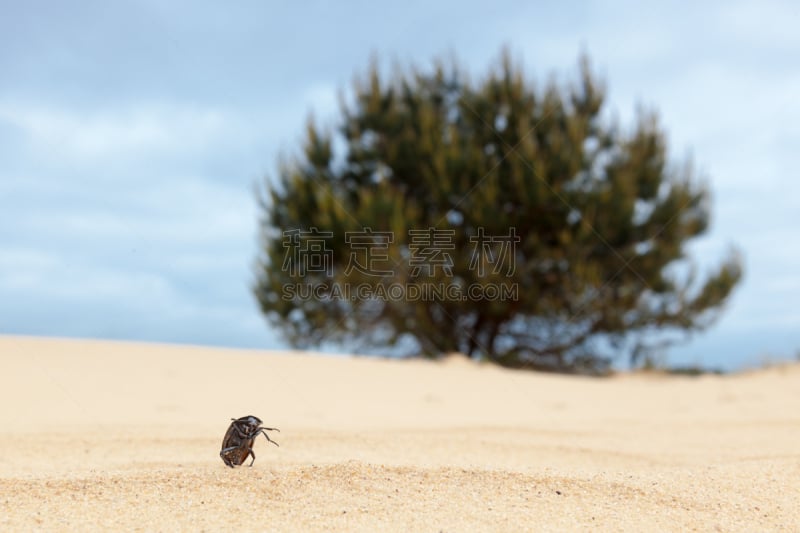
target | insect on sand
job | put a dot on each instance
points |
(239, 440)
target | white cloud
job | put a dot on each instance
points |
(26, 272)
(767, 23)
(322, 98)
(101, 133)
(181, 212)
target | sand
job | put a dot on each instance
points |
(123, 436)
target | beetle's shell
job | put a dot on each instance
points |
(241, 437)
(243, 446)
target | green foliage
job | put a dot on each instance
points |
(603, 220)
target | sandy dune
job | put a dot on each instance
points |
(117, 436)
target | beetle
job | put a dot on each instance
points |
(239, 439)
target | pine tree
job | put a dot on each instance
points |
(480, 188)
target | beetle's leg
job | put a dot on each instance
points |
(267, 436)
(254, 456)
(242, 434)
(224, 455)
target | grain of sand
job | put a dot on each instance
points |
(99, 436)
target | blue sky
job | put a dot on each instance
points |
(132, 134)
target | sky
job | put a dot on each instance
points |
(133, 134)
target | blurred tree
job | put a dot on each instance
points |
(481, 188)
